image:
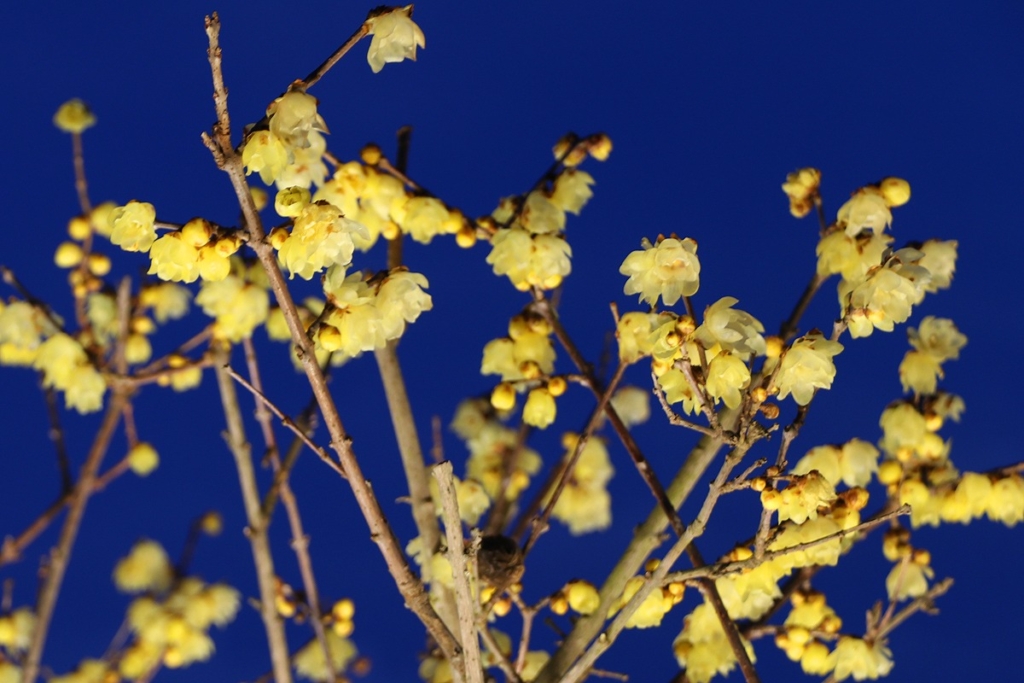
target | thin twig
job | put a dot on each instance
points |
(56, 434)
(256, 531)
(300, 541)
(319, 72)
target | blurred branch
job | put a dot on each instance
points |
(256, 531)
(300, 541)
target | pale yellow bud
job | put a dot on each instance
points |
(371, 154)
(212, 523)
(559, 604)
(196, 232)
(79, 228)
(582, 597)
(466, 236)
(502, 606)
(68, 255)
(99, 264)
(600, 146)
(895, 191)
(343, 628)
(277, 237)
(773, 346)
(259, 197)
(329, 337)
(143, 459)
(890, 472)
(344, 609)
(557, 386)
(503, 397)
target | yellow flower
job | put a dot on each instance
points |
(669, 269)
(572, 190)
(173, 259)
(802, 187)
(539, 410)
(16, 629)
(132, 226)
(238, 306)
(860, 659)
(632, 404)
(807, 366)
(321, 237)
(400, 300)
(146, 567)
(541, 215)
(940, 261)
(310, 661)
(734, 330)
(168, 301)
(395, 37)
(293, 117)
(266, 154)
(727, 377)
(74, 116)
(866, 210)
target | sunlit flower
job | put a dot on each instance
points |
(572, 190)
(865, 210)
(146, 567)
(74, 116)
(734, 330)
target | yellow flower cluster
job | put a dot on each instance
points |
(802, 189)
(934, 342)
(490, 449)
(22, 330)
(171, 630)
(310, 662)
(858, 658)
(652, 610)
(239, 303)
(809, 613)
(66, 367)
(290, 150)
(363, 315)
(853, 463)
(800, 500)
(88, 671)
(198, 250)
(702, 647)
(16, 629)
(585, 504)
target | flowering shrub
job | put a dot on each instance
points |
(744, 389)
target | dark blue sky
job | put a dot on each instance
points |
(709, 106)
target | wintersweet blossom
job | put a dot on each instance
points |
(585, 504)
(356, 320)
(938, 337)
(266, 154)
(293, 116)
(940, 261)
(703, 648)
(238, 306)
(572, 190)
(530, 260)
(734, 330)
(852, 464)
(884, 299)
(633, 332)
(539, 410)
(321, 237)
(541, 215)
(172, 259)
(310, 662)
(400, 300)
(669, 269)
(147, 567)
(650, 612)
(806, 366)
(167, 300)
(802, 187)
(395, 37)
(133, 226)
(632, 404)
(727, 377)
(16, 629)
(860, 659)
(907, 580)
(422, 218)
(489, 461)
(865, 210)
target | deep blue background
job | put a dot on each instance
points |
(709, 106)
